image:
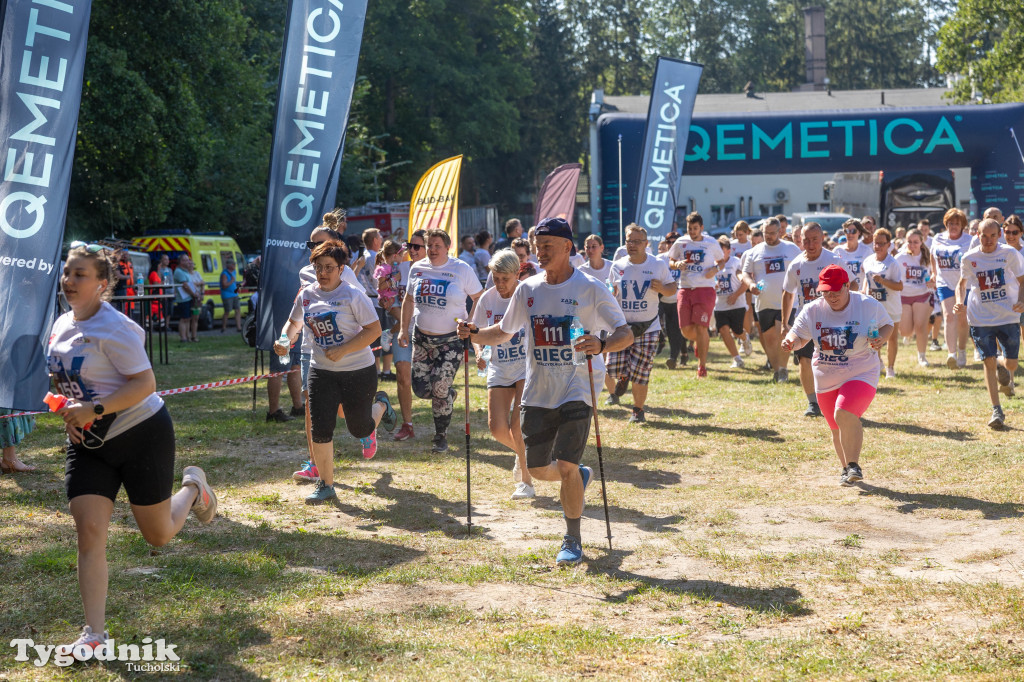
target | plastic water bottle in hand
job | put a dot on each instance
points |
(485, 355)
(283, 340)
(576, 331)
(140, 286)
(872, 330)
(760, 286)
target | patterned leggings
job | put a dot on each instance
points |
(435, 362)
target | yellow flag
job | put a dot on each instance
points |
(435, 201)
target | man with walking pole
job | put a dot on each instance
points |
(562, 310)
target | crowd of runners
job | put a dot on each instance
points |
(547, 325)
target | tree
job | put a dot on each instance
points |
(983, 42)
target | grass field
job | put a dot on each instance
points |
(736, 553)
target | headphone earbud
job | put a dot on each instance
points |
(99, 287)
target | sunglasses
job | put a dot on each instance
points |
(1011, 233)
(91, 248)
(325, 268)
(312, 245)
(413, 247)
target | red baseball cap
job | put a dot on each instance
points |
(833, 278)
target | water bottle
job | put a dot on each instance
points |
(140, 286)
(283, 340)
(872, 330)
(927, 276)
(485, 355)
(611, 287)
(760, 286)
(576, 331)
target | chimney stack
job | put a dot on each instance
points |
(814, 50)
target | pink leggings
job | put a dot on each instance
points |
(853, 396)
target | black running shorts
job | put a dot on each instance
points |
(560, 433)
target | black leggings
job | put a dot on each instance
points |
(353, 390)
(670, 327)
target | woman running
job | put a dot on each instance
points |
(947, 249)
(342, 373)
(730, 302)
(119, 431)
(435, 298)
(847, 330)
(915, 268)
(854, 251)
(883, 281)
(506, 371)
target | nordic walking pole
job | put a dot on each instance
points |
(465, 367)
(621, 237)
(597, 436)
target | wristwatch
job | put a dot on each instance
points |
(97, 409)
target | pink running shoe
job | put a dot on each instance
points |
(702, 372)
(405, 433)
(307, 474)
(369, 445)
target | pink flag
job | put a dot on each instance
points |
(557, 196)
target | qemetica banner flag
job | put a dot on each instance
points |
(42, 58)
(557, 196)
(318, 73)
(668, 127)
(435, 201)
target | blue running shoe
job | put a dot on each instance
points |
(389, 418)
(588, 475)
(571, 552)
(322, 493)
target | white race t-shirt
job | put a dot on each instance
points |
(638, 300)
(948, 253)
(600, 275)
(546, 311)
(802, 277)
(890, 270)
(622, 253)
(331, 318)
(728, 283)
(676, 274)
(307, 276)
(739, 248)
(993, 280)
(915, 275)
(768, 264)
(91, 359)
(853, 261)
(440, 294)
(508, 360)
(697, 257)
(841, 350)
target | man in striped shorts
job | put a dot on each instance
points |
(638, 278)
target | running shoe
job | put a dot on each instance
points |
(321, 493)
(405, 433)
(998, 420)
(388, 376)
(637, 417)
(951, 361)
(90, 639)
(279, 416)
(783, 376)
(890, 373)
(748, 348)
(389, 418)
(767, 366)
(934, 345)
(702, 372)
(1003, 377)
(205, 506)
(307, 474)
(842, 476)
(923, 363)
(612, 399)
(670, 363)
(812, 410)
(440, 443)
(620, 386)
(683, 359)
(961, 358)
(737, 363)
(524, 491)
(299, 411)
(369, 445)
(570, 553)
(853, 473)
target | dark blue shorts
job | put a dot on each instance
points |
(1007, 336)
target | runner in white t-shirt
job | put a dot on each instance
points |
(506, 371)
(637, 280)
(947, 250)
(853, 252)
(995, 275)
(118, 430)
(883, 281)
(435, 298)
(801, 288)
(846, 329)
(595, 264)
(730, 302)
(700, 259)
(764, 273)
(918, 286)
(556, 399)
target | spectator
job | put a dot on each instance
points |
(513, 231)
(229, 295)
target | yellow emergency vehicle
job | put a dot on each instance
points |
(209, 251)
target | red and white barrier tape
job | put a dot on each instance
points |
(186, 389)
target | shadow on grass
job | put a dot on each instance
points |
(765, 435)
(783, 600)
(915, 430)
(911, 502)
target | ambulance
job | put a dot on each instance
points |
(208, 250)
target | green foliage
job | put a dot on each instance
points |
(983, 42)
